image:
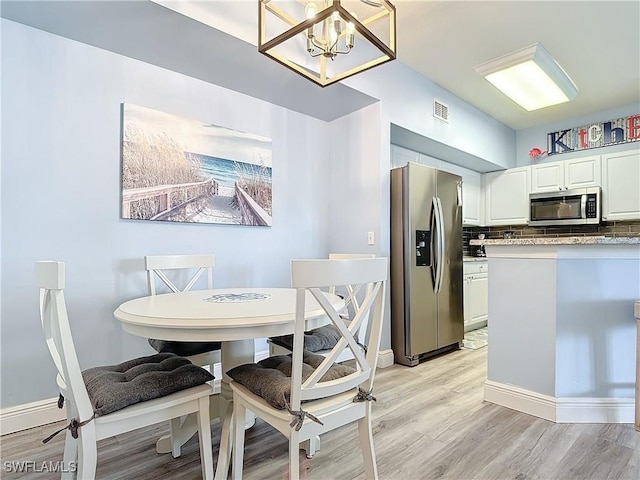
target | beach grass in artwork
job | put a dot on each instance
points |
(182, 170)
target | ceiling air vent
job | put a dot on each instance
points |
(440, 111)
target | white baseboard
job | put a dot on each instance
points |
(30, 415)
(519, 399)
(561, 410)
(595, 410)
(385, 358)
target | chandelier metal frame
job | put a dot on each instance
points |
(268, 47)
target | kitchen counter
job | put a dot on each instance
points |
(562, 327)
(580, 240)
(474, 259)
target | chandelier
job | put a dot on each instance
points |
(327, 40)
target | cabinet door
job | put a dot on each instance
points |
(479, 298)
(620, 192)
(507, 197)
(471, 183)
(466, 293)
(547, 177)
(582, 172)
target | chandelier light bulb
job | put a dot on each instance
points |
(351, 33)
(310, 10)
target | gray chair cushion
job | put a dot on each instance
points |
(271, 377)
(184, 349)
(115, 387)
(322, 338)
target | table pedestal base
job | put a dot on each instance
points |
(233, 354)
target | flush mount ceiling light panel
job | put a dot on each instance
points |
(530, 77)
(327, 40)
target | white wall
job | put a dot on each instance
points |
(60, 196)
(596, 332)
(522, 323)
(529, 138)
(359, 179)
(354, 201)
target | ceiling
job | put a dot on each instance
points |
(596, 42)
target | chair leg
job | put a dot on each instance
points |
(70, 457)
(239, 412)
(87, 452)
(174, 428)
(294, 455)
(224, 452)
(204, 437)
(366, 444)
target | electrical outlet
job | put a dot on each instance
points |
(371, 238)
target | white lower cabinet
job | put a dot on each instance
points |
(476, 294)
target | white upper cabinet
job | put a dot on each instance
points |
(471, 192)
(566, 175)
(621, 186)
(582, 172)
(507, 196)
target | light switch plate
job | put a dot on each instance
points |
(371, 238)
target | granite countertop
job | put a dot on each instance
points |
(581, 240)
(474, 259)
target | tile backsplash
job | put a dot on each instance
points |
(608, 229)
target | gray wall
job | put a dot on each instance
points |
(60, 196)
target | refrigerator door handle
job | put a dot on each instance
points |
(440, 244)
(434, 243)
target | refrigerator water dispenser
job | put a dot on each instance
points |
(423, 248)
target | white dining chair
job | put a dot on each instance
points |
(168, 271)
(322, 339)
(174, 274)
(328, 395)
(102, 402)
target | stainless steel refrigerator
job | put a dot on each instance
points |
(426, 262)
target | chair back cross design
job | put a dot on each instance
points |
(158, 265)
(313, 276)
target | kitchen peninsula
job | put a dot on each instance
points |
(562, 329)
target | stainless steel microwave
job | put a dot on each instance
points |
(569, 207)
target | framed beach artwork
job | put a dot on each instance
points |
(176, 169)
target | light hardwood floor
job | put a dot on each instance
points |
(429, 423)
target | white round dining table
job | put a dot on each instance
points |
(219, 314)
(233, 316)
